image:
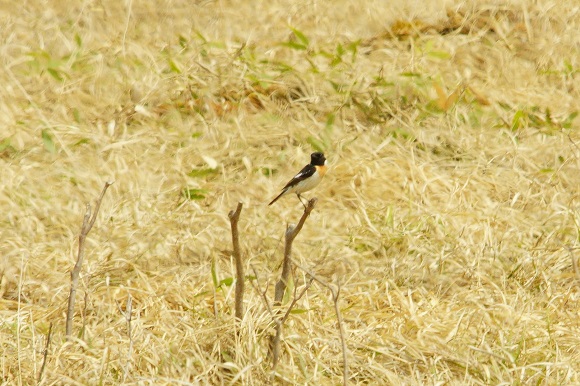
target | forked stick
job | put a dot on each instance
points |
(88, 223)
(335, 294)
(291, 233)
(280, 322)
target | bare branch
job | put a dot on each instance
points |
(335, 294)
(262, 293)
(45, 353)
(76, 272)
(291, 233)
(88, 223)
(280, 322)
(240, 284)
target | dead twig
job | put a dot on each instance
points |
(240, 284)
(88, 223)
(291, 233)
(262, 293)
(280, 323)
(45, 353)
(335, 294)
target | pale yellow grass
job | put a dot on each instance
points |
(450, 225)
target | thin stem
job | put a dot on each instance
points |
(240, 280)
(88, 223)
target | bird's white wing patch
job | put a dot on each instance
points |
(300, 175)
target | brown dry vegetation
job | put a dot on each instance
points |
(449, 218)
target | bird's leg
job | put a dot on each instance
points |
(300, 198)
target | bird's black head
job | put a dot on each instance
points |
(317, 159)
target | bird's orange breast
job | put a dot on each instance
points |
(321, 170)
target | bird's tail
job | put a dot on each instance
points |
(277, 197)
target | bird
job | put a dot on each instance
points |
(308, 178)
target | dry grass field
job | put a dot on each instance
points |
(449, 219)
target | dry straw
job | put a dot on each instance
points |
(444, 244)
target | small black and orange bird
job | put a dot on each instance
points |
(308, 178)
